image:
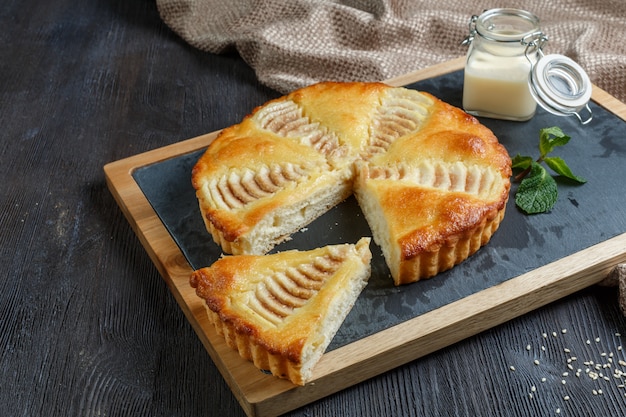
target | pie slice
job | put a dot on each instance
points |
(282, 310)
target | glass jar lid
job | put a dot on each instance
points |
(506, 25)
(561, 86)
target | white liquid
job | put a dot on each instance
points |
(498, 87)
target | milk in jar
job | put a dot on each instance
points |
(497, 67)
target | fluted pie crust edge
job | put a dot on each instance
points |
(295, 157)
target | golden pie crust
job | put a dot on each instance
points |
(431, 181)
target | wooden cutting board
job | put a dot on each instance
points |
(524, 284)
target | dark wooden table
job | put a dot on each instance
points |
(87, 325)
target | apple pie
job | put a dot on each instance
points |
(431, 181)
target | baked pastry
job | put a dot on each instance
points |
(281, 311)
(284, 165)
(435, 196)
(431, 180)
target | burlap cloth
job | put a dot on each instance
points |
(293, 43)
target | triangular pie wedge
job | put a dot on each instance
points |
(282, 310)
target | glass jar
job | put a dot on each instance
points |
(496, 70)
(507, 74)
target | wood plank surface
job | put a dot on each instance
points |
(88, 325)
(264, 396)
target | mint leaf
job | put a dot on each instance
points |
(559, 166)
(551, 137)
(521, 162)
(537, 193)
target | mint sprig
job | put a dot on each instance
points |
(537, 192)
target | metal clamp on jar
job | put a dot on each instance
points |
(507, 74)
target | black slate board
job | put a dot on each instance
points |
(583, 216)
